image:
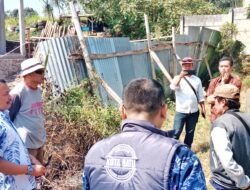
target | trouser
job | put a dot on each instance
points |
(219, 187)
(37, 153)
(189, 120)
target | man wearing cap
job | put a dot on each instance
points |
(188, 94)
(142, 156)
(225, 69)
(230, 141)
(26, 110)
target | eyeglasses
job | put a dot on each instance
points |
(40, 72)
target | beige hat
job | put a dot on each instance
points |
(30, 65)
(227, 91)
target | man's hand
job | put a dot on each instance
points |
(225, 78)
(38, 170)
(183, 73)
(34, 160)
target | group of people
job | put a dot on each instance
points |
(141, 156)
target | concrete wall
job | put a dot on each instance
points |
(237, 16)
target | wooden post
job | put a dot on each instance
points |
(175, 57)
(21, 29)
(91, 71)
(149, 44)
(208, 68)
(28, 39)
(2, 29)
(182, 25)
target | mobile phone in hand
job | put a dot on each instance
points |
(190, 72)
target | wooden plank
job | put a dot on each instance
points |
(208, 68)
(161, 66)
(41, 38)
(91, 71)
(127, 53)
(143, 40)
(149, 44)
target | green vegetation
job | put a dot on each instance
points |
(125, 17)
(248, 11)
(229, 46)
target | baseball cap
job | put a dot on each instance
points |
(30, 65)
(228, 91)
(187, 60)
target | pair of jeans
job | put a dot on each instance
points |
(189, 120)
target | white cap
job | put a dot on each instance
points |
(30, 65)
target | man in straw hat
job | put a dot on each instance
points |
(27, 107)
(230, 141)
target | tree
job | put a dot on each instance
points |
(125, 17)
(29, 11)
(48, 9)
(226, 4)
(60, 4)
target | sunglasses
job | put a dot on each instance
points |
(40, 72)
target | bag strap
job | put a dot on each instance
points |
(192, 88)
(242, 121)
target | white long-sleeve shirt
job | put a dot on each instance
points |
(223, 149)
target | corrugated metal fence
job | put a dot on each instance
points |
(116, 71)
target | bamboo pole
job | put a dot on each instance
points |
(208, 68)
(175, 56)
(149, 44)
(86, 56)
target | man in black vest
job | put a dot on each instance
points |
(142, 156)
(230, 141)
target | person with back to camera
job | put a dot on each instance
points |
(142, 156)
(188, 94)
(230, 141)
(225, 69)
(17, 167)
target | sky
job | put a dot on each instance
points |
(37, 5)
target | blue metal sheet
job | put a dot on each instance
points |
(60, 71)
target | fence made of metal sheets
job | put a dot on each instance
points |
(60, 70)
(117, 71)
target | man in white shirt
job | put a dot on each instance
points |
(189, 94)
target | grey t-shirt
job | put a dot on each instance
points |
(27, 114)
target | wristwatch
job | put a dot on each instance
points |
(30, 169)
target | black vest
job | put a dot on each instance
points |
(240, 141)
(137, 158)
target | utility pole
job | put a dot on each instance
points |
(21, 29)
(2, 29)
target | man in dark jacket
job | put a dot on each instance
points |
(230, 141)
(142, 156)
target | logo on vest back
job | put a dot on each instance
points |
(120, 162)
